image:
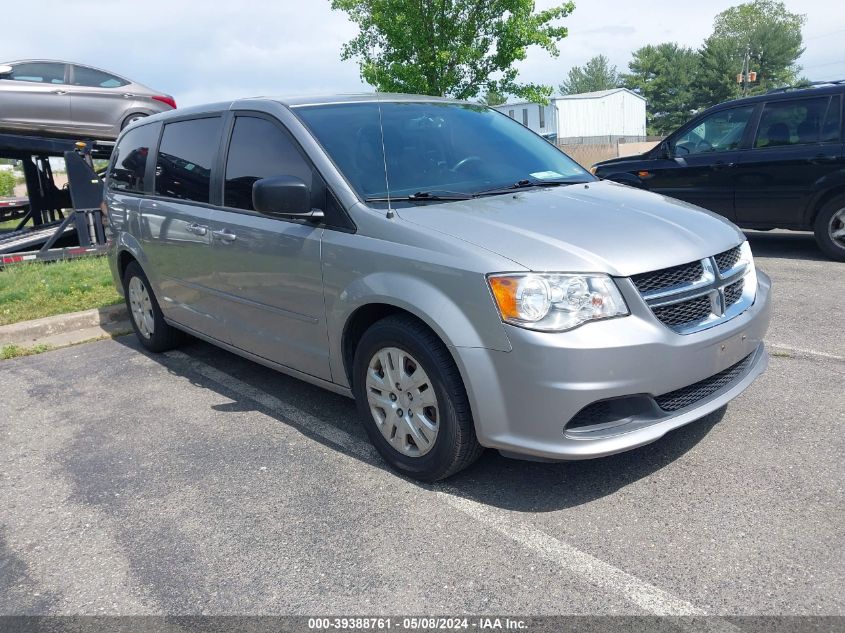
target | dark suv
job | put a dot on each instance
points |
(771, 161)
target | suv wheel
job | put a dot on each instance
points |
(830, 228)
(412, 400)
(144, 312)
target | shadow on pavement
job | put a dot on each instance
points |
(495, 480)
(786, 245)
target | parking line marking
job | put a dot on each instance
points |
(591, 569)
(776, 347)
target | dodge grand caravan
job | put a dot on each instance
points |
(466, 282)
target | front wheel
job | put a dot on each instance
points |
(412, 400)
(830, 228)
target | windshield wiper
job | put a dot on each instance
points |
(423, 196)
(526, 184)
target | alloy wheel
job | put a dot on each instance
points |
(142, 307)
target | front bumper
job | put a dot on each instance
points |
(522, 400)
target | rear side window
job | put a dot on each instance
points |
(832, 120)
(259, 149)
(185, 158)
(791, 122)
(38, 72)
(93, 78)
(130, 162)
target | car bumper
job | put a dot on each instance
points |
(523, 401)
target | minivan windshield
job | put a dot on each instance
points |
(433, 151)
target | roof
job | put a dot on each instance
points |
(598, 94)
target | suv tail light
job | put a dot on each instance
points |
(165, 99)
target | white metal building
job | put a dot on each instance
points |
(616, 112)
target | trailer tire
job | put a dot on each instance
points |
(145, 314)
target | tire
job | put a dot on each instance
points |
(132, 118)
(454, 445)
(145, 314)
(830, 220)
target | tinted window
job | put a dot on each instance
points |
(832, 120)
(38, 72)
(720, 132)
(432, 146)
(259, 149)
(84, 76)
(791, 122)
(185, 158)
(130, 162)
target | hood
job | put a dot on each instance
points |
(599, 227)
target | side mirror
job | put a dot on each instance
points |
(5, 69)
(663, 150)
(283, 196)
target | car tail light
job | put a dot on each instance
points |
(165, 99)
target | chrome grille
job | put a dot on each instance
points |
(688, 396)
(727, 260)
(733, 293)
(697, 295)
(685, 311)
(668, 277)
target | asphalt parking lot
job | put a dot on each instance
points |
(198, 482)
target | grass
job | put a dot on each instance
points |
(13, 351)
(35, 290)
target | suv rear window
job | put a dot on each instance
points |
(185, 157)
(791, 122)
(130, 161)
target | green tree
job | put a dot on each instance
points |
(492, 98)
(596, 74)
(772, 37)
(7, 183)
(450, 47)
(665, 75)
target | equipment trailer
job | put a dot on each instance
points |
(67, 222)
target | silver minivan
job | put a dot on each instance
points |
(466, 282)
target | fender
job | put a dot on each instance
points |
(449, 320)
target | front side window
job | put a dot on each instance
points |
(441, 148)
(38, 72)
(185, 158)
(129, 165)
(93, 78)
(259, 149)
(791, 122)
(720, 132)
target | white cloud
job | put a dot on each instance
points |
(203, 51)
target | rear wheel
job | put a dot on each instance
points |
(830, 228)
(132, 118)
(145, 314)
(412, 400)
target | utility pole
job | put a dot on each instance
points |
(747, 75)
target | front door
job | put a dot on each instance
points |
(269, 268)
(35, 96)
(797, 148)
(175, 226)
(703, 158)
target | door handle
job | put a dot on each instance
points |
(60, 92)
(128, 95)
(196, 229)
(224, 236)
(720, 164)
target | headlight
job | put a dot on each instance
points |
(554, 302)
(746, 258)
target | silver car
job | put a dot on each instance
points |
(465, 281)
(45, 96)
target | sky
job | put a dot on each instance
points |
(202, 51)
